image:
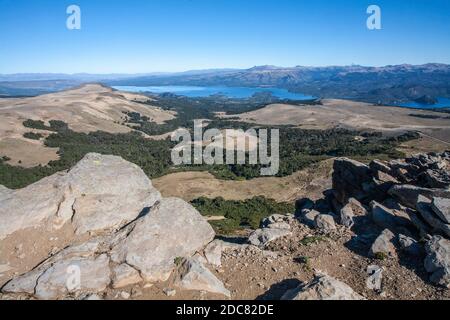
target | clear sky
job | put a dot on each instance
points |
(139, 36)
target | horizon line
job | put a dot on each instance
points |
(224, 69)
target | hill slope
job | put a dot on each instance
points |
(88, 108)
(355, 115)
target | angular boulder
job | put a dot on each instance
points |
(213, 251)
(425, 209)
(323, 287)
(441, 207)
(308, 217)
(375, 279)
(437, 178)
(33, 206)
(383, 216)
(172, 229)
(408, 195)
(75, 271)
(437, 261)
(347, 216)
(90, 275)
(357, 207)
(410, 245)
(124, 275)
(377, 165)
(91, 196)
(193, 275)
(349, 176)
(325, 223)
(277, 221)
(385, 178)
(383, 245)
(141, 237)
(97, 184)
(261, 237)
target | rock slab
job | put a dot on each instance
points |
(437, 261)
(172, 229)
(193, 275)
(323, 287)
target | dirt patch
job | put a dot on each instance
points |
(425, 144)
(25, 249)
(27, 153)
(310, 182)
(349, 114)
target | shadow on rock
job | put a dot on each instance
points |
(277, 290)
(366, 233)
(235, 240)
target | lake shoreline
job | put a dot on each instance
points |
(248, 92)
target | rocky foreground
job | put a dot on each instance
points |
(102, 231)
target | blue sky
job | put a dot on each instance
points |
(138, 36)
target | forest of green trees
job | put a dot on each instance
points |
(298, 148)
(240, 214)
(152, 156)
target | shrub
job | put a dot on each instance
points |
(32, 135)
(311, 240)
(240, 214)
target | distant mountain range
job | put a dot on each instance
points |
(386, 85)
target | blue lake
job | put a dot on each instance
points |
(230, 92)
(247, 92)
(442, 103)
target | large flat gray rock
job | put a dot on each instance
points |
(408, 195)
(145, 250)
(441, 206)
(99, 194)
(57, 277)
(383, 216)
(124, 275)
(425, 210)
(323, 287)
(90, 275)
(437, 261)
(261, 237)
(172, 229)
(193, 275)
(108, 193)
(34, 206)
